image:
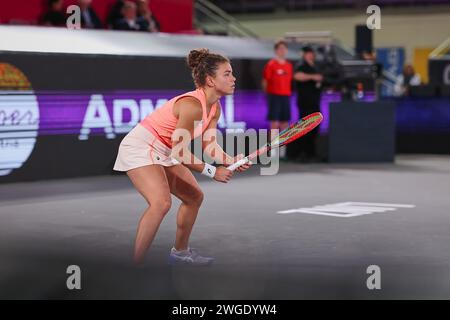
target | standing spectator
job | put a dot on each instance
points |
(145, 13)
(405, 80)
(130, 20)
(54, 15)
(309, 87)
(277, 81)
(89, 19)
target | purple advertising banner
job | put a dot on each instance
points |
(26, 115)
(112, 113)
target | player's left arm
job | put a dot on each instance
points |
(213, 149)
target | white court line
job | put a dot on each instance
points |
(322, 213)
(348, 209)
(383, 204)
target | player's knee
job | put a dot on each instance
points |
(163, 205)
(196, 197)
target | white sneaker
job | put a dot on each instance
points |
(189, 256)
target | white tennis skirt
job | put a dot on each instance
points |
(141, 148)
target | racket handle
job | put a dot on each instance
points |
(236, 165)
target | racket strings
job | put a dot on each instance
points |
(296, 129)
(299, 128)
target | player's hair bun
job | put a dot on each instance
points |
(196, 56)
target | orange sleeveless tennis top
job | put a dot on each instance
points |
(162, 123)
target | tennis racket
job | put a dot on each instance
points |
(295, 131)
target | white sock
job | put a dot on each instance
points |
(181, 252)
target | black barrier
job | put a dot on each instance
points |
(110, 72)
(65, 156)
(362, 132)
(439, 70)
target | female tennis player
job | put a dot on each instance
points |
(147, 154)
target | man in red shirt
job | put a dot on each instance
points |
(277, 81)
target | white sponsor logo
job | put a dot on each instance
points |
(98, 117)
(19, 124)
(349, 209)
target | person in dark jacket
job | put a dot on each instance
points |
(309, 87)
(89, 19)
(130, 20)
(115, 14)
(54, 15)
(144, 11)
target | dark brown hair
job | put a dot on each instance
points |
(204, 63)
(279, 43)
